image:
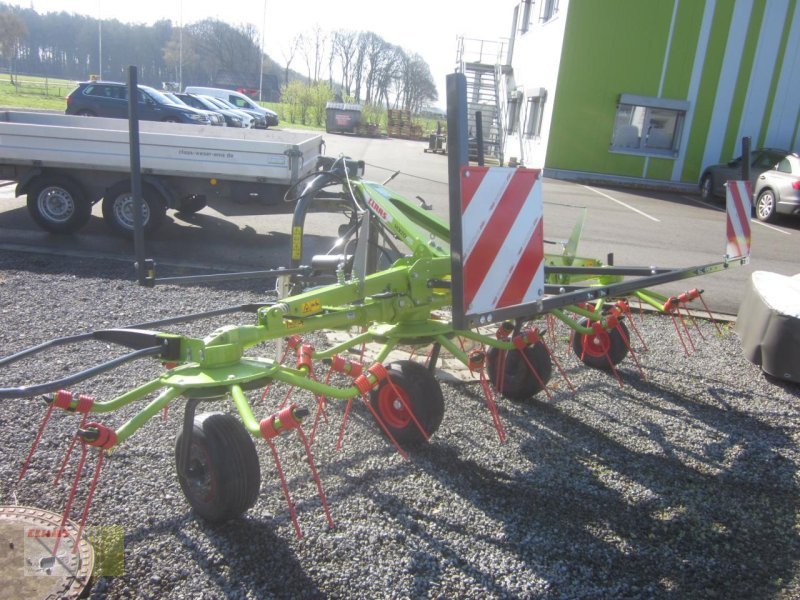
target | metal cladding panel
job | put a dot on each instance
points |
(502, 244)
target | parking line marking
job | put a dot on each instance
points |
(621, 203)
(717, 208)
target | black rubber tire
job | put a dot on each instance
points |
(766, 206)
(224, 475)
(423, 395)
(610, 340)
(58, 205)
(519, 384)
(171, 120)
(118, 209)
(707, 188)
(85, 112)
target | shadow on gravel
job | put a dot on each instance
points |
(242, 557)
(593, 516)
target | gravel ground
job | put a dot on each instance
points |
(681, 485)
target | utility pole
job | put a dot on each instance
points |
(261, 68)
(99, 41)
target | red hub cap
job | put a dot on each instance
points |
(392, 407)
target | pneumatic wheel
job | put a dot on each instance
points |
(58, 205)
(518, 381)
(420, 391)
(118, 209)
(222, 475)
(765, 206)
(595, 349)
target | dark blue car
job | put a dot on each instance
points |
(110, 99)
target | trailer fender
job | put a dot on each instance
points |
(163, 188)
(24, 182)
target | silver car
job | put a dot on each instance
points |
(774, 175)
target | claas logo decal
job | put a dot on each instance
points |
(378, 210)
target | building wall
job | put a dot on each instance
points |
(537, 56)
(735, 65)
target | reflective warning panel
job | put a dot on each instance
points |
(498, 268)
(738, 206)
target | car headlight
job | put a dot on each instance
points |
(198, 118)
(236, 120)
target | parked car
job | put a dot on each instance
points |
(247, 120)
(110, 99)
(232, 118)
(214, 117)
(774, 175)
(238, 100)
(259, 120)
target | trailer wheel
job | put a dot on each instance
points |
(419, 391)
(58, 204)
(518, 382)
(595, 350)
(222, 477)
(118, 209)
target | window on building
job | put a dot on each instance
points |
(548, 9)
(645, 125)
(534, 110)
(525, 23)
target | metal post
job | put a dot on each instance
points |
(745, 159)
(136, 176)
(479, 135)
(457, 157)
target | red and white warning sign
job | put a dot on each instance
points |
(502, 239)
(738, 205)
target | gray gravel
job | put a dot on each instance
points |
(677, 486)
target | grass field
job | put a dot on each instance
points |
(31, 93)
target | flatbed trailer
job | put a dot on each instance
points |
(65, 164)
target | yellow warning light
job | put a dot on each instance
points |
(213, 182)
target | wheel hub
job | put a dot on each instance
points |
(392, 408)
(597, 344)
(123, 211)
(56, 203)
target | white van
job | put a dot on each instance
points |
(238, 100)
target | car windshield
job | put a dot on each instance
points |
(206, 103)
(173, 98)
(156, 95)
(227, 104)
(217, 102)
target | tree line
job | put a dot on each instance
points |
(360, 66)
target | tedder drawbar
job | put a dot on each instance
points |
(478, 289)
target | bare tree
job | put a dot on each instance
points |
(313, 49)
(289, 55)
(343, 47)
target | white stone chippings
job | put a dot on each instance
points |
(677, 484)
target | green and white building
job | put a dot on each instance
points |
(647, 90)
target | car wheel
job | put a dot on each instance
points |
(118, 209)
(85, 112)
(58, 205)
(707, 188)
(171, 120)
(765, 206)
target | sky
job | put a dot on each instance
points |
(427, 27)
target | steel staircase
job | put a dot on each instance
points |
(480, 62)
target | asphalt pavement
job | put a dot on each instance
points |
(640, 228)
